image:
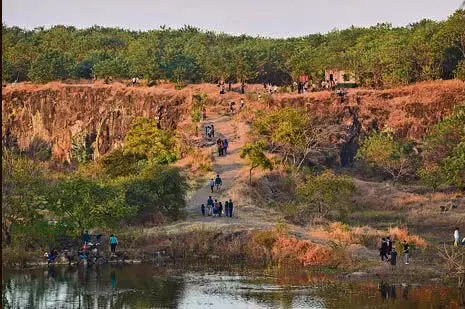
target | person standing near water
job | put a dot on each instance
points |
(393, 258)
(456, 237)
(113, 243)
(406, 251)
(383, 249)
(85, 237)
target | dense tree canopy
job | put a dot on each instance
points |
(379, 56)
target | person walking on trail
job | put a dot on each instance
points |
(207, 131)
(212, 184)
(113, 243)
(388, 245)
(218, 182)
(225, 146)
(212, 130)
(220, 209)
(383, 249)
(243, 87)
(456, 237)
(226, 209)
(231, 206)
(393, 258)
(406, 251)
(215, 208)
(209, 205)
(218, 144)
(202, 208)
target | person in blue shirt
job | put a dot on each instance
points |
(85, 237)
(225, 146)
(113, 243)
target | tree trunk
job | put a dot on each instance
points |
(6, 232)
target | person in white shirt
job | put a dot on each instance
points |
(456, 237)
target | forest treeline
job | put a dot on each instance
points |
(379, 56)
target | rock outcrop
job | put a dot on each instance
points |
(99, 114)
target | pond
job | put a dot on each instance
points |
(146, 286)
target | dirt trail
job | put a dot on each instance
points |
(232, 169)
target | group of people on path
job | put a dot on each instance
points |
(271, 89)
(302, 87)
(210, 131)
(215, 208)
(223, 88)
(223, 145)
(217, 182)
(388, 252)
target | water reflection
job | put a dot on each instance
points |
(143, 286)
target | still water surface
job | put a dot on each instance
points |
(145, 286)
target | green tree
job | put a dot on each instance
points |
(443, 152)
(115, 67)
(23, 194)
(382, 150)
(146, 140)
(327, 191)
(82, 203)
(156, 189)
(255, 154)
(50, 66)
(292, 133)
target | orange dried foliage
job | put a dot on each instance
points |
(290, 250)
(401, 234)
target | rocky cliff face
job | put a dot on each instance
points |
(98, 114)
(101, 114)
(408, 112)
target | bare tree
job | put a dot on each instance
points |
(454, 259)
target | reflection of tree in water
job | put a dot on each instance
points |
(91, 288)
